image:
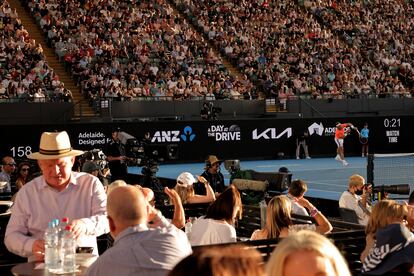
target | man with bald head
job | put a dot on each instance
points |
(138, 249)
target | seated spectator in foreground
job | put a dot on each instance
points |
(297, 190)
(360, 204)
(8, 166)
(115, 184)
(279, 222)
(307, 253)
(138, 249)
(178, 217)
(410, 210)
(57, 193)
(218, 224)
(235, 260)
(385, 212)
(392, 253)
(185, 189)
(23, 174)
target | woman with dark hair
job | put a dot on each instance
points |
(218, 224)
(236, 260)
(23, 174)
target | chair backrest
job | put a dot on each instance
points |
(348, 215)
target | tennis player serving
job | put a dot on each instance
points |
(341, 131)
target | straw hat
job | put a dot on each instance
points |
(54, 145)
(212, 159)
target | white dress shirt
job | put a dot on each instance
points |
(37, 203)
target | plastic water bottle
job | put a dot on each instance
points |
(51, 247)
(188, 227)
(68, 251)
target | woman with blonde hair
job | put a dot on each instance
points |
(385, 212)
(279, 221)
(307, 253)
(185, 189)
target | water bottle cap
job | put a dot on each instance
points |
(50, 224)
(67, 227)
(56, 222)
(65, 219)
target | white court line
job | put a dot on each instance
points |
(340, 166)
(345, 185)
(323, 191)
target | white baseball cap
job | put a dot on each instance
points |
(186, 179)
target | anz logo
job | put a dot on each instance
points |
(271, 134)
(164, 136)
(188, 134)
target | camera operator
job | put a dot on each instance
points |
(94, 169)
(117, 160)
(205, 112)
(357, 198)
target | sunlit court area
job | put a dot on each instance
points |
(214, 137)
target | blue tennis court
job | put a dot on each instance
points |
(326, 177)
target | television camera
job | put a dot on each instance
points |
(97, 156)
(209, 111)
(145, 155)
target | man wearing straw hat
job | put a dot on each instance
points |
(57, 193)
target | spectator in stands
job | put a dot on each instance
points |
(297, 190)
(385, 212)
(213, 175)
(218, 224)
(8, 166)
(158, 249)
(392, 253)
(279, 222)
(41, 200)
(23, 174)
(307, 253)
(185, 189)
(234, 260)
(351, 200)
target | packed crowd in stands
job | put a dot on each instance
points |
(144, 49)
(134, 50)
(323, 49)
(24, 73)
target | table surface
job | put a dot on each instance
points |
(29, 269)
